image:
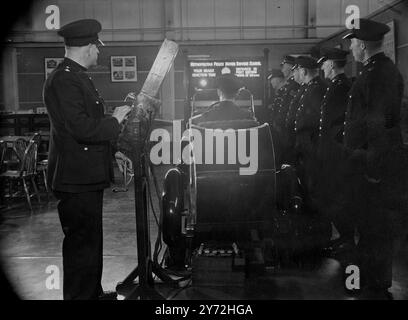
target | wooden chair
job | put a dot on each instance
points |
(25, 174)
(42, 159)
(3, 149)
(19, 147)
(14, 155)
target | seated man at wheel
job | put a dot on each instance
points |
(228, 87)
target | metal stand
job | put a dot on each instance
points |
(144, 288)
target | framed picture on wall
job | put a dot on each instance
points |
(123, 69)
(50, 64)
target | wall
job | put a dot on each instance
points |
(147, 20)
(30, 65)
(332, 13)
(218, 28)
(398, 13)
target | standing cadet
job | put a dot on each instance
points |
(288, 92)
(80, 159)
(281, 107)
(290, 118)
(330, 146)
(307, 125)
(277, 81)
(372, 141)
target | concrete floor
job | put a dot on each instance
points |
(32, 243)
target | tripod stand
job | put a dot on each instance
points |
(144, 288)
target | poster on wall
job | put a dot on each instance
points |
(123, 69)
(389, 41)
(50, 64)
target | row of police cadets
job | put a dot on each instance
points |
(345, 141)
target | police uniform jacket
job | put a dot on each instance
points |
(291, 114)
(330, 147)
(333, 109)
(372, 128)
(308, 113)
(282, 101)
(80, 149)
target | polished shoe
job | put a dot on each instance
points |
(108, 295)
(342, 250)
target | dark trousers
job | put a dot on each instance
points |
(306, 169)
(373, 218)
(81, 220)
(332, 188)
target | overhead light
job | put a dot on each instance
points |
(203, 83)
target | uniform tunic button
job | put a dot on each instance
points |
(97, 102)
(86, 148)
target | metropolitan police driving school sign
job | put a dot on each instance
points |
(212, 69)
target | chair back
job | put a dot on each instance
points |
(36, 137)
(226, 199)
(29, 162)
(20, 146)
(3, 148)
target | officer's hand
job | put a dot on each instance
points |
(148, 103)
(121, 112)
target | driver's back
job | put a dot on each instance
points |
(224, 110)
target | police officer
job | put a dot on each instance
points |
(228, 87)
(281, 106)
(330, 149)
(80, 158)
(307, 124)
(288, 92)
(277, 82)
(372, 141)
(290, 118)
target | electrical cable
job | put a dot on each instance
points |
(159, 221)
(188, 285)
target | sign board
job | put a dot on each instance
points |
(249, 70)
(50, 64)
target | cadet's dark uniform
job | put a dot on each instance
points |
(289, 129)
(307, 129)
(330, 152)
(80, 165)
(372, 141)
(280, 109)
(281, 104)
(330, 146)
